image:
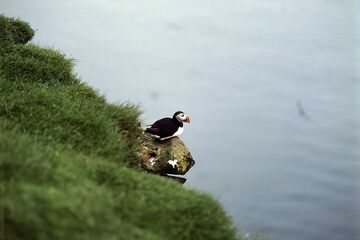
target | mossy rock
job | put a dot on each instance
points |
(170, 156)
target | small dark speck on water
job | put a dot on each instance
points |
(174, 26)
(154, 95)
(301, 111)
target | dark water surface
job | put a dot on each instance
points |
(271, 87)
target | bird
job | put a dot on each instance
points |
(166, 128)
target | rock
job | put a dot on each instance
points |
(170, 156)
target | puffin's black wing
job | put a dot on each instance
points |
(153, 131)
(164, 127)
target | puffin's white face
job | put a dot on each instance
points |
(182, 117)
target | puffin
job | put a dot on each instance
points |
(166, 128)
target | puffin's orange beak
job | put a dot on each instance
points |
(187, 119)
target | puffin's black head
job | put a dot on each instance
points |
(181, 117)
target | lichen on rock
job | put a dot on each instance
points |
(170, 156)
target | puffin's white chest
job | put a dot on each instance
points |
(178, 132)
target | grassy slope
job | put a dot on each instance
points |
(65, 154)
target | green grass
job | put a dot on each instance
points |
(35, 64)
(51, 192)
(14, 31)
(40, 94)
(66, 115)
(67, 160)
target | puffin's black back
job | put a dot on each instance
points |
(165, 127)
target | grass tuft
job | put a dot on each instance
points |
(14, 31)
(30, 63)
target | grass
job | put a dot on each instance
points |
(52, 192)
(14, 31)
(67, 159)
(40, 94)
